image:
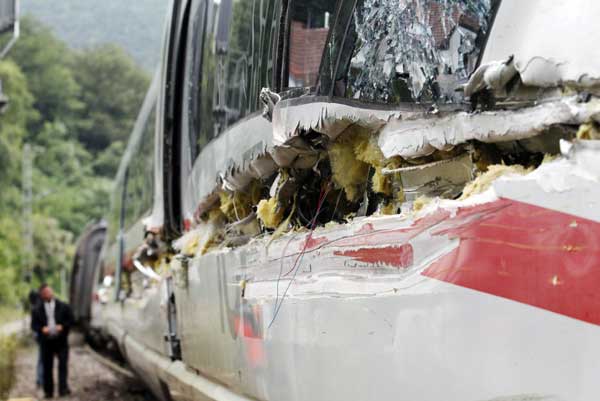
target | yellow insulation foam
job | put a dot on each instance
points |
(351, 156)
(388, 209)
(420, 203)
(381, 183)
(191, 246)
(348, 172)
(270, 213)
(211, 242)
(588, 131)
(485, 180)
(367, 150)
(238, 205)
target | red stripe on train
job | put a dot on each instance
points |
(400, 256)
(528, 254)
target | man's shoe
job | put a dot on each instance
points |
(47, 396)
(65, 393)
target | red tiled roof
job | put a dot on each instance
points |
(306, 49)
(443, 24)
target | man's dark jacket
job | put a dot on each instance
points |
(62, 315)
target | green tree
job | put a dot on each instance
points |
(112, 90)
(107, 161)
(53, 246)
(13, 122)
(47, 63)
(10, 260)
(66, 187)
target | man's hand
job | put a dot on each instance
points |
(45, 330)
(59, 328)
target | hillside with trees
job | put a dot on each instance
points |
(75, 109)
(135, 25)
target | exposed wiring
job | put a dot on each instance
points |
(279, 277)
(296, 264)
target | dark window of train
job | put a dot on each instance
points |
(193, 76)
(415, 50)
(235, 62)
(226, 64)
(140, 182)
(308, 28)
(207, 129)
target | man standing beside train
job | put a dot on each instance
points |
(52, 320)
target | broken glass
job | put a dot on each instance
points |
(416, 50)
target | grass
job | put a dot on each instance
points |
(9, 314)
(8, 349)
(8, 352)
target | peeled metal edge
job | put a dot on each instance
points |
(233, 158)
(553, 42)
(329, 118)
(416, 138)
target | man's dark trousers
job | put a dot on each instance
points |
(60, 348)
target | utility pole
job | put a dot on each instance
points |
(28, 254)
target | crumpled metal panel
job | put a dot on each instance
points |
(445, 178)
(420, 137)
(320, 114)
(553, 42)
(428, 46)
(233, 157)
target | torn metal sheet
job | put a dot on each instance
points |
(445, 178)
(328, 117)
(494, 76)
(415, 138)
(237, 180)
(234, 158)
(552, 42)
(296, 152)
(584, 154)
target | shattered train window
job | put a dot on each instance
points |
(416, 50)
(308, 30)
(140, 180)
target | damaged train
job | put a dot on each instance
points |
(358, 200)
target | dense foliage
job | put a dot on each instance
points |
(75, 108)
